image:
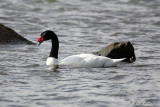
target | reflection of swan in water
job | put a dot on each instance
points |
(9, 36)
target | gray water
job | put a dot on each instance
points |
(83, 26)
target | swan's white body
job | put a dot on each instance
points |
(84, 60)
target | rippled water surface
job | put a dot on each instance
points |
(83, 26)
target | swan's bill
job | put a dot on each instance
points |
(39, 43)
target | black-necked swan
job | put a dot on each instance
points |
(80, 60)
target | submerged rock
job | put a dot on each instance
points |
(9, 36)
(118, 50)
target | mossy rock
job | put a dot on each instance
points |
(118, 50)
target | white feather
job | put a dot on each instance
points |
(89, 60)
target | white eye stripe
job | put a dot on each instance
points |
(43, 33)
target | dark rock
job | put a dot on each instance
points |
(9, 36)
(118, 50)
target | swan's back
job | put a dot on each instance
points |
(89, 60)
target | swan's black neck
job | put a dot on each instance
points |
(55, 47)
(54, 50)
(47, 35)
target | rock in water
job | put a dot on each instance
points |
(9, 36)
(118, 50)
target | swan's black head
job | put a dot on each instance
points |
(47, 35)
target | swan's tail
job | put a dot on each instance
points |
(116, 61)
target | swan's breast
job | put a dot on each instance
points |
(51, 61)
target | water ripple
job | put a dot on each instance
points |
(83, 26)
